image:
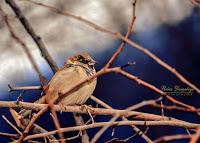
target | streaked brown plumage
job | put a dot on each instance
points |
(74, 70)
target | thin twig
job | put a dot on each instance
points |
(150, 86)
(57, 124)
(11, 88)
(134, 107)
(32, 33)
(13, 126)
(130, 27)
(123, 38)
(35, 37)
(120, 123)
(121, 140)
(9, 135)
(95, 111)
(24, 46)
(30, 125)
(119, 70)
(171, 107)
(170, 138)
(79, 121)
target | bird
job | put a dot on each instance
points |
(75, 69)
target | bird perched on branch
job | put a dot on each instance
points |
(75, 69)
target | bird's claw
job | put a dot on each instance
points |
(88, 108)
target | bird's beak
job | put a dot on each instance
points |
(92, 63)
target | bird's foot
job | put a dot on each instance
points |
(88, 109)
(62, 107)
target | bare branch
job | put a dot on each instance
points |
(24, 46)
(171, 138)
(9, 135)
(13, 126)
(32, 33)
(134, 107)
(120, 123)
(96, 111)
(121, 37)
(196, 136)
(11, 88)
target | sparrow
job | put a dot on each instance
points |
(75, 69)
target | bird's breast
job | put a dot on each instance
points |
(66, 79)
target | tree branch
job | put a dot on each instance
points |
(120, 123)
(123, 38)
(31, 32)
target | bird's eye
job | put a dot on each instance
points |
(80, 58)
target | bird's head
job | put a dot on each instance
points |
(82, 59)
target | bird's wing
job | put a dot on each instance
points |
(64, 80)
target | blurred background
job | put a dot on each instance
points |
(170, 29)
